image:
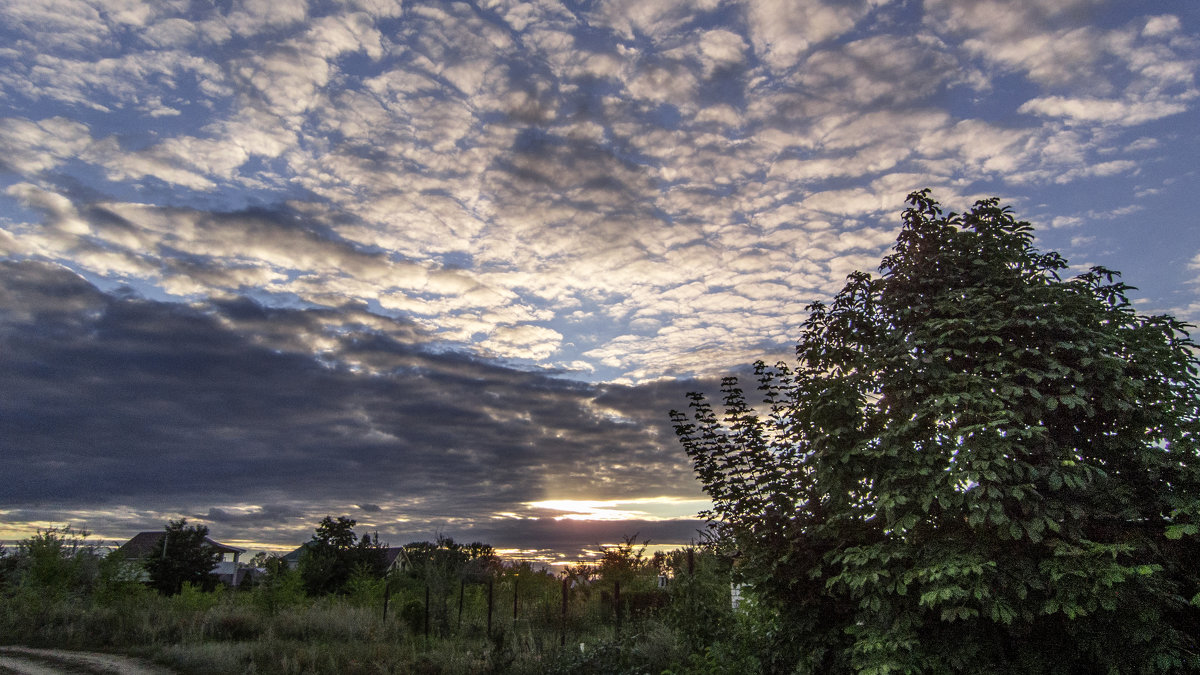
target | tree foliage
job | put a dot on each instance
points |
(975, 465)
(448, 561)
(183, 556)
(57, 562)
(335, 553)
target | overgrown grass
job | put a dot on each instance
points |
(265, 631)
(60, 593)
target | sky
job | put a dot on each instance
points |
(444, 268)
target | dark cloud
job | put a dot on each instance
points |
(122, 400)
(266, 514)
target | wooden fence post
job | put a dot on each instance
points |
(427, 611)
(516, 578)
(563, 641)
(462, 587)
(617, 602)
(489, 622)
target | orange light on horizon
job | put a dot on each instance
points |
(644, 508)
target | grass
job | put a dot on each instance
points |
(231, 631)
(56, 592)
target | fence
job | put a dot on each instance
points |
(541, 603)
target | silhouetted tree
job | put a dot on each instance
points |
(181, 557)
(335, 552)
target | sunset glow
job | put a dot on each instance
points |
(651, 508)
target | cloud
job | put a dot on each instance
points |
(1090, 110)
(529, 342)
(360, 220)
(221, 412)
(879, 70)
(29, 147)
(120, 81)
(488, 172)
(781, 31)
(659, 19)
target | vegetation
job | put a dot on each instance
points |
(335, 553)
(432, 617)
(186, 559)
(976, 466)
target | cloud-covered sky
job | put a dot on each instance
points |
(444, 267)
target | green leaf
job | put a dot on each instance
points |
(1178, 531)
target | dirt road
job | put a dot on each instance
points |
(28, 661)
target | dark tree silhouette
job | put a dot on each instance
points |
(334, 553)
(183, 556)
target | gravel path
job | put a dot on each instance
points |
(28, 661)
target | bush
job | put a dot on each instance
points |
(57, 562)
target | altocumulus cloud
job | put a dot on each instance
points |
(266, 260)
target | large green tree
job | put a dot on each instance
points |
(975, 465)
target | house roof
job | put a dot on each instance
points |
(146, 544)
(394, 556)
(294, 556)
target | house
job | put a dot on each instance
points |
(395, 559)
(148, 544)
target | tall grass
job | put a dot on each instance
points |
(230, 631)
(408, 624)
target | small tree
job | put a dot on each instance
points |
(281, 587)
(183, 556)
(976, 466)
(626, 563)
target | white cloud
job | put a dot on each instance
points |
(535, 343)
(62, 215)
(250, 17)
(720, 48)
(1105, 111)
(1157, 26)
(29, 147)
(1100, 169)
(879, 70)
(71, 25)
(331, 36)
(120, 81)
(377, 8)
(782, 30)
(659, 19)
